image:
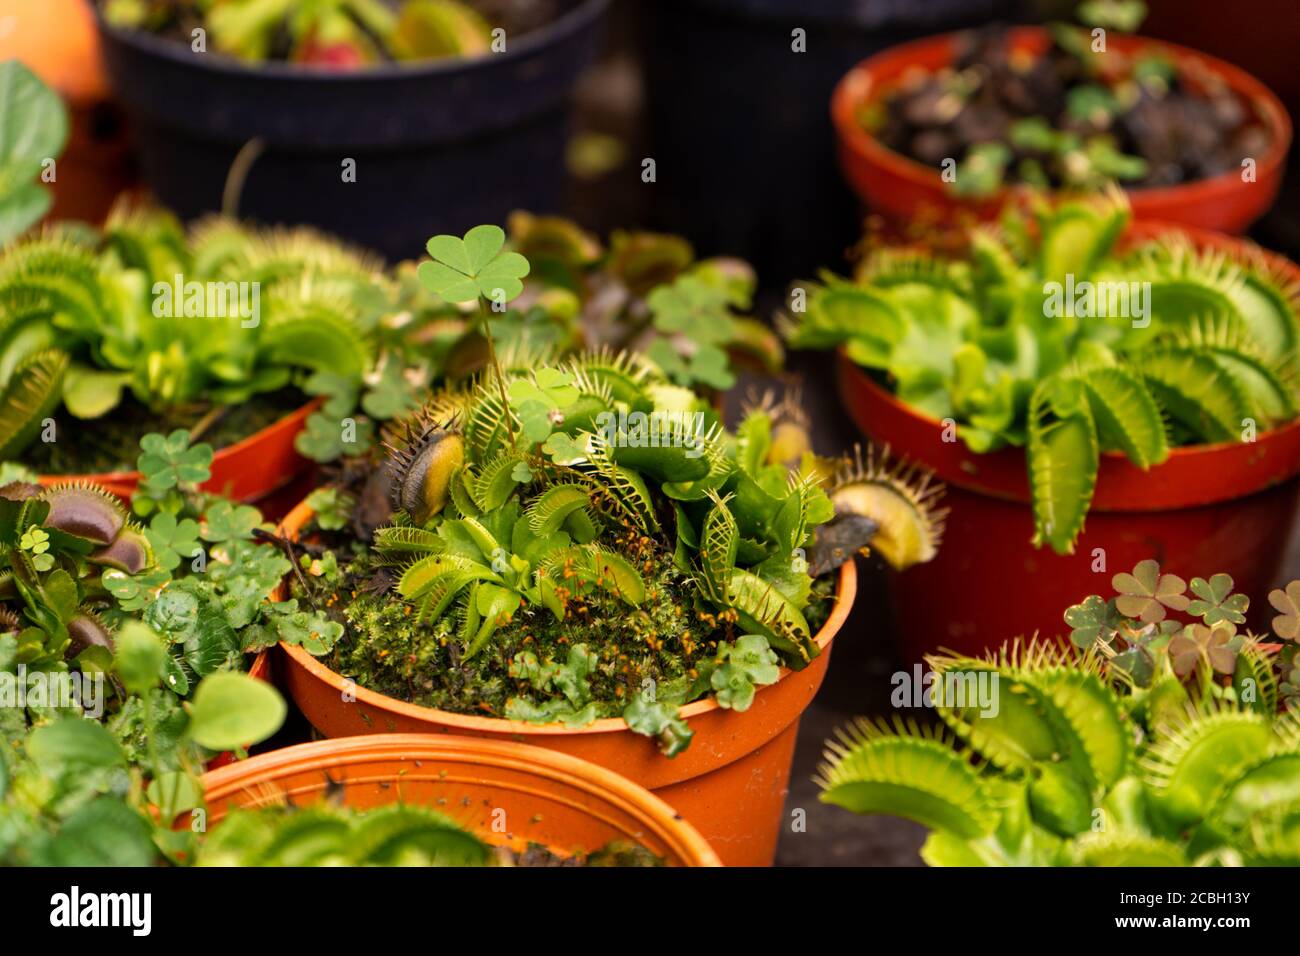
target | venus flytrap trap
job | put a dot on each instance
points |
(1156, 345)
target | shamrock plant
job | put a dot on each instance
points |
(1073, 767)
(1045, 335)
(1209, 648)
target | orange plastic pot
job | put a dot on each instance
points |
(57, 40)
(566, 804)
(1208, 508)
(249, 470)
(730, 782)
(901, 189)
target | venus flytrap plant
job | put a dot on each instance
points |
(1045, 335)
(1070, 770)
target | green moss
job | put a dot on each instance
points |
(664, 644)
(663, 641)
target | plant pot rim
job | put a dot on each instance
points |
(568, 23)
(845, 592)
(859, 85)
(131, 478)
(322, 755)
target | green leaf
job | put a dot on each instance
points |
(225, 521)
(33, 128)
(1063, 461)
(167, 462)
(744, 666)
(464, 269)
(138, 657)
(75, 744)
(104, 832)
(172, 541)
(1127, 416)
(91, 393)
(231, 711)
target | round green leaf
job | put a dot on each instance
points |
(234, 710)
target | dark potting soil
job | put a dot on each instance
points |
(112, 443)
(1147, 111)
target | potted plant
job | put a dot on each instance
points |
(122, 641)
(1159, 745)
(580, 555)
(436, 798)
(225, 332)
(77, 570)
(946, 125)
(327, 108)
(1014, 370)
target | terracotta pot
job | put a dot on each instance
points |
(730, 782)
(249, 470)
(56, 39)
(261, 670)
(1208, 508)
(567, 804)
(901, 189)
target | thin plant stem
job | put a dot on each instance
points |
(500, 373)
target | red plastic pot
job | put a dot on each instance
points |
(730, 783)
(1208, 508)
(901, 189)
(249, 470)
(568, 805)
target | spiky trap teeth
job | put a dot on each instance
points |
(423, 465)
(900, 498)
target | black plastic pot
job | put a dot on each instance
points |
(439, 147)
(741, 129)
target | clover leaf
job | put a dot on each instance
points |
(1287, 624)
(391, 395)
(172, 540)
(1094, 621)
(693, 307)
(563, 450)
(1146, 593)
(36, 543)
(225, 521)
(464, 269)
(169, 462)
(1216, 603)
